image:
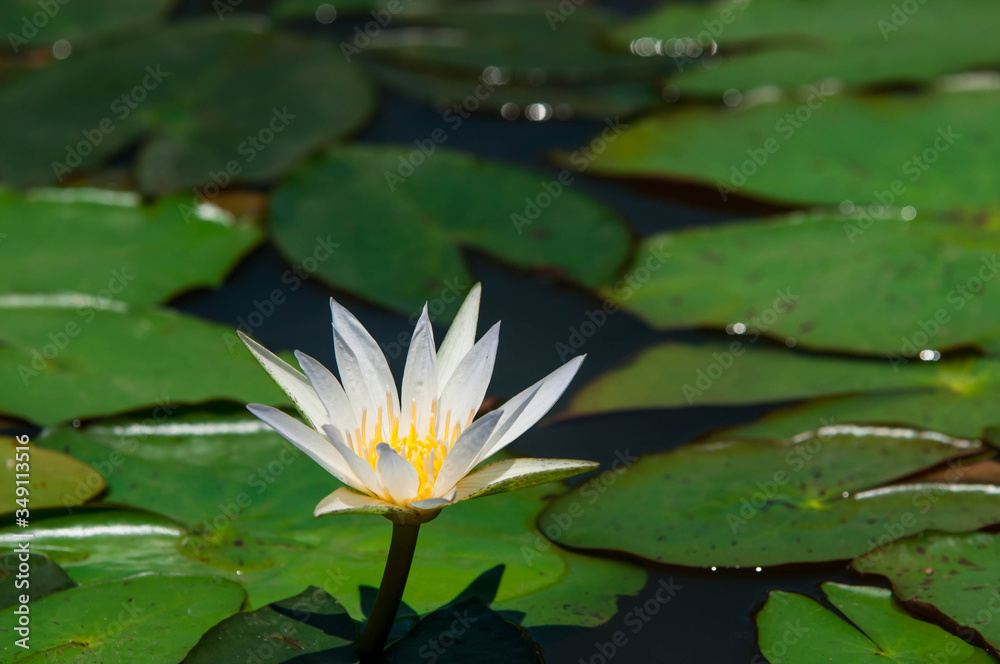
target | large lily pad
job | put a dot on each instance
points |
(51, 478)
(931, 151)
(791, 43)
(149, 618)
(794, 629)
(212, 101)
(673, 375)
(29, 23)
(241, 500)
(400, 207)
(953, 575)
(108, 244)
(76, 357)
(765, 502)
(888, 286)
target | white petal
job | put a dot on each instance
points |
(330, 392)
(366, 364)
(468, 383)
(309, 441)
(419, 378)
(460, 337)
(511, 474)
(434, 503)
(345, 501)
(361, 468)
(463, 454)
(548, 389)
(291, 381)
(395, 475)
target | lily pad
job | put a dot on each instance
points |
(43, 578)
(794, 629)
(240, 501)
(287, 631)
(675, 375)
(929, 151)
(533, 42)
(889, 286)
(198, 108)
(791, 43)
(29, 23)
(414, 211)
(50, 478)
(149, 618)
(80, 356)
(746, 503)
(108, 244)
(951, 575)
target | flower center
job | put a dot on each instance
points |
(421, 448)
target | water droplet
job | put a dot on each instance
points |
(928, 355)
(846, 494)
(790, 342)
(510, 111)
(846, 207)
(714, 568)
(326, 13)
(496, 75)
(736, 328)
(759, 569)
(732, 97)
(908, 213)
(76, 424)
(61, 49)
(644, 46)
(538, 112)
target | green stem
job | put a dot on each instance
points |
(390, 592)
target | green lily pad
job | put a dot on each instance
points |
(42, 578)
(790, 43)
(952, 575)
(50, 478)
(224, 101)
(110, 245)
(933, 151)
(892, 286)
(794, 629)
(397, 206)
(29, 23)
(80, 356)
(311, 622)
(539, 43)
(672, 375)
(149, 618)
(240, 501)
(745, 503)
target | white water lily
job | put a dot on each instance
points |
(409, 455)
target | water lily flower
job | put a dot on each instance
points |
(409, 455)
